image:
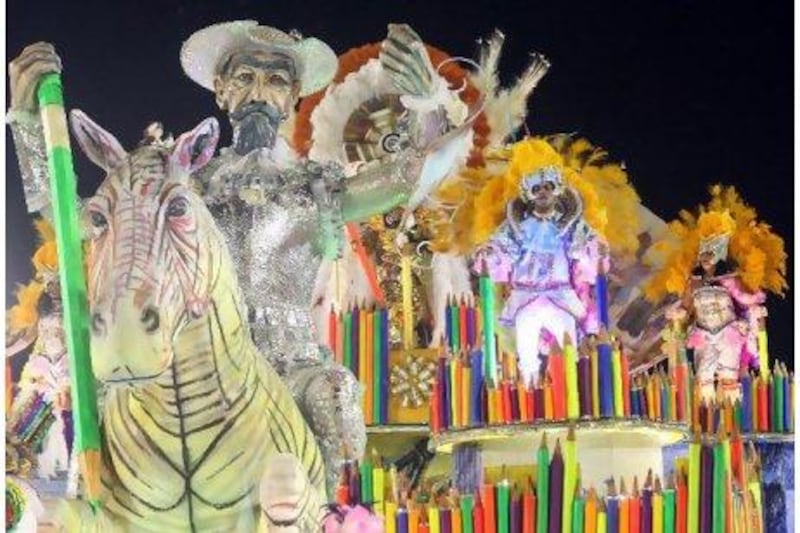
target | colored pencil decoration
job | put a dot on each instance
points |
(546, 504)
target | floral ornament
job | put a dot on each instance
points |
(412, 381)
(356, 519)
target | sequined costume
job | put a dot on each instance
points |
(550, 270)
(264, 206)
(723, 334)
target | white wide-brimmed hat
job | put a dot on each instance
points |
(207, 49)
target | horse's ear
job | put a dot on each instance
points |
(195, 148)
(100, 146)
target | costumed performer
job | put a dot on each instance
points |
(721, 266)
(44, 382)
(546, 253)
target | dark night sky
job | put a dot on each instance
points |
(686, 93)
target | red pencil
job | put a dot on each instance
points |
(626, 384)
(487, 497)
(506, 392)
(635, 509)
(763, 417)
(477, 515)
(681, 507)
(558, 379)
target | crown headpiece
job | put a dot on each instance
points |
(540, 176)
(716, 245)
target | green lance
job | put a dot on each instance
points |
(64, 199)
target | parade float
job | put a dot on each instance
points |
(384, 298)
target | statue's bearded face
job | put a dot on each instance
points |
(258, 89)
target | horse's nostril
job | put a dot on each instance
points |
(98, 324)
(150, 319)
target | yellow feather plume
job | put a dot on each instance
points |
(756, 249)
(25, 314)
(45, 259)
(45, 230)
(478, 197)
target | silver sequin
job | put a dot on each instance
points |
(270, 220)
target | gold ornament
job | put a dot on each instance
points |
(412, 381)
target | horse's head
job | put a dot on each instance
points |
(154, 249)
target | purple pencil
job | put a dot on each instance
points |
(556, 489)
(515, 413)
(516, 513)
(443, 400)
(355, 484)
(538, 408)
(355, 342)
(584, 380)
(444, 520)
(647, 505)
(471, 325)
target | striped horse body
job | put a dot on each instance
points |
(193, 413)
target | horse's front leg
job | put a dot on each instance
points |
(287, 501)
(329, 396)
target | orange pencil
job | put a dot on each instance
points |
(523, 401)
(696, 406)
(499, 412)
(590, 513)
(491, 406)
(624, 508)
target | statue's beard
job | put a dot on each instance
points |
(255, 126)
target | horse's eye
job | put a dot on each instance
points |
(177, 207)
(99, 220)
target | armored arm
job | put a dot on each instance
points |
(28, 135)
(25, 72)
(379, 188)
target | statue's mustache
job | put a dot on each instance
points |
(263, 108)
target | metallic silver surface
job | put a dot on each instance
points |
(268, 214)
(713, 308)
(26, 129)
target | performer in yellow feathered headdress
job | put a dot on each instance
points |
(44, 384)
(540, 227)
(721, 260)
